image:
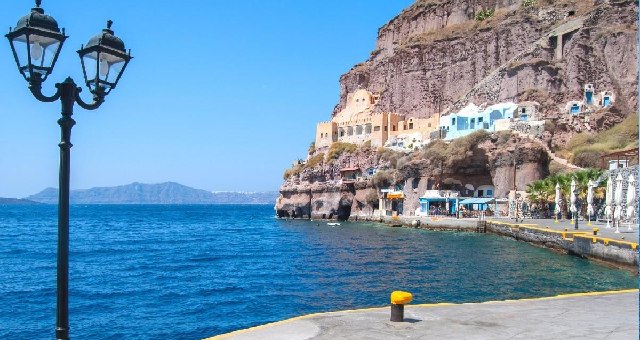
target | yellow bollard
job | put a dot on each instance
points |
(595, 231)
(398, 300)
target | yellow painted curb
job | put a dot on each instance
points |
(608, 241)
(428, 305)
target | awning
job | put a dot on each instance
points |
(349, 169)
(477, 200)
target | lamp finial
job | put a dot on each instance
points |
(109, 23)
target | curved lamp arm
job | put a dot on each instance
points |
(35, 86)
(98, 99)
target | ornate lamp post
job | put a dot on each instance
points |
(36, 42)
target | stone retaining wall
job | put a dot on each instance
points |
(619, 253)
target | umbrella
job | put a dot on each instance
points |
(590, 210)
(609, 196)
(631, 197)
(608, 200)
(617, 212)
(557, 199)
(573, 195)
(618, 194)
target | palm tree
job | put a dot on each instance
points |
(582, 184)
(538, 194)
(544, 191)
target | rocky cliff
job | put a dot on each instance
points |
(439, 55)
(435, 56)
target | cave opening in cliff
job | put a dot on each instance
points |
(344, 209)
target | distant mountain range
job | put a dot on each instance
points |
(163, 193)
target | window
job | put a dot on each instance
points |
(386, 128)
(376, 128)
(429, 125)
(489, 192)
(453, 121)
(480, 193)
(479, 119)
(394, 128)
(575, 108)
(410, 126)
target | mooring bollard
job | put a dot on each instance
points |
(398, 300)
(595, 231)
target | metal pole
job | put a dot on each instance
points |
(67, 98)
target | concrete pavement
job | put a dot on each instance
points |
(624, 233)
(605, 315)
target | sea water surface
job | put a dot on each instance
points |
(193, 271)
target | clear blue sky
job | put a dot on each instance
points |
(221, 95)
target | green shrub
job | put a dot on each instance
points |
(584, 146)
(484, 14)
(372, 199)
(292, 172)
(339, 148)
(389, 155)
(549, 126)
(384, 179)
(436, 151)
(459, 147)
(529, 3)
(503, 137)
(402, 161)
(315, 160)
(587, 158)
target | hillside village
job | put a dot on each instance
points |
(390, 149)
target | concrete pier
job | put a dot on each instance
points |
(605, 315)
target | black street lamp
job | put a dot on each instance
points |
(36, 42)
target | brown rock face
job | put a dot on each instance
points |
(434, 56)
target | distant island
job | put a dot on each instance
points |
(16, 201)
(162, 193)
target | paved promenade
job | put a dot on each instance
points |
(625, 234)
(609, 315)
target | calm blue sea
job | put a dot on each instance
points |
(188, 272)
